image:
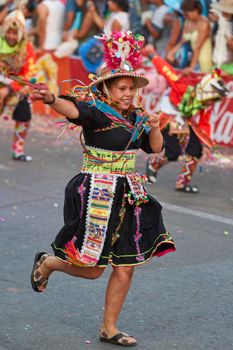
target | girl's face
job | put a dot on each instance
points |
(122, 92)
(11, 37)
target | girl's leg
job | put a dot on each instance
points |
(48, 264)
(116, 293)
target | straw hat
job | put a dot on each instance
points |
(121, 57)
(223, 6)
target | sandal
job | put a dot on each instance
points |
(188, 189)
(121, 339)
(38, 281)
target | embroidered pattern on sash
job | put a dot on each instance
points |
(122, 166)
(138, 235)
(138, 194)
(81, 190)
(98, 213)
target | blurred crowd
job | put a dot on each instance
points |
(184, 32)
(192, 35)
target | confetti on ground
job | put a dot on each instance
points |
(226, 233)
(2, 219)
(87, 342)
(14, 290)
(222, 158)
(27, 327)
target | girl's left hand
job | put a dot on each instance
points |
(154, 120)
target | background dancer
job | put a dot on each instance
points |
(17, 56)
(109, 217)
(188, 97)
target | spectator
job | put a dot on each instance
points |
(135, 15)
(118, 19)
(87, 29)
(154, 27)
(78, 32)
(182, 56)
(50, 24)
(102, 7)
(18, 56)
(72, 8)
(29, 10)
(3, 10)
(75, 9)
(91, 52)
(196, 31)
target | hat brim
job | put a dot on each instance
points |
(141, 81)
(222, 8)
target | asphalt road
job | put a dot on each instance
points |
(181, 301)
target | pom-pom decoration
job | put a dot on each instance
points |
(122, 50)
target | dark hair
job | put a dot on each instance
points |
(123, 4)
(108, 83)
(191, 5)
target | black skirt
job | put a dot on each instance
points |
(134, 233)
(120, 247)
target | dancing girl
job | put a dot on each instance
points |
(109, 218)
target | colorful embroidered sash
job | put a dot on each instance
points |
(119, 163)
(98, 214)
(136, 129)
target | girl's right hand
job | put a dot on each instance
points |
(42, 95)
